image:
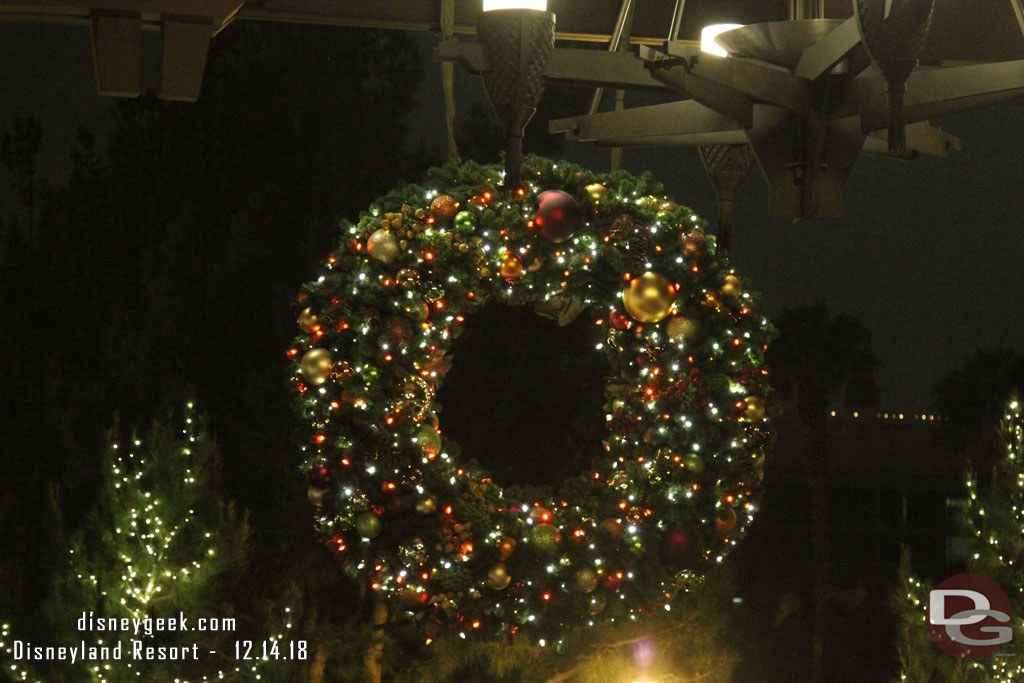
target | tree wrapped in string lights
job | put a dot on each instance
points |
(435, 537)
(154, 546)
(994, 521)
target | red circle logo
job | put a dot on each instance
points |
(969, 616)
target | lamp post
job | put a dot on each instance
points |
(516, 36)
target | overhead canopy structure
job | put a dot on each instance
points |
(975, 31)
(797, 97)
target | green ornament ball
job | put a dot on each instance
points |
(585, 580)
(465, 222)
(546, 537)
(693, 463)
(368, 525)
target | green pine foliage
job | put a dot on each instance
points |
(994, 520)
(688, 643)
(160, 543)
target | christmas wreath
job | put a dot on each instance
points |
(436, 537)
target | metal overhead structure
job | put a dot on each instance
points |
(797, 97)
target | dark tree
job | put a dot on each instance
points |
(819, 362)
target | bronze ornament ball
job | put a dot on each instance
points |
(498, 577)
(444, 206)
(426, 506)
(316, 365)
(511, 267)
(649, 298)
(506, 546)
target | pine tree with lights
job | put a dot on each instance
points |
(159, 543)
(994, 521)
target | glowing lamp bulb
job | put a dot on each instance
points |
(489, 5)
(707, 38)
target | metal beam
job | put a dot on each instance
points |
(932, 93)
(686, 123)
(822, 57)
(580, 67)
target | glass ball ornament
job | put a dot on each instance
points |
(680, 329)
(725, 522)
(426, 506)
(649, 297)
(546, 537)
(465, 222)
(428, 439)
(694, 244)
(498, 577)
(506, 546)
(732, 288)
(511, 267)
(307, 320)
(597, 191)
(368, 525)
(316, 365)
(444, 207)
(557, 215)
(585, 580)
(754, 409)
(382, 246)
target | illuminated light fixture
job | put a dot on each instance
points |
(516, 36)
(707, 38)
(489, 5)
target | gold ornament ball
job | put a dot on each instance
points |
(506, 546)
(316, 495)
(368, 525)
(511, 267)
(429, 439)
(649, 297)
(755, 408)
(498, 578)
(546, 537)
(682, 329)
(585, 580)
(597, 191)
(426, 506)
(382, 246)
(316, 365)
(713, 300)
(444, 207)
(598, 603)
(307, 320)
(732, 287)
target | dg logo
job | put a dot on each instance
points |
(969, 616)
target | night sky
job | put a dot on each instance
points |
(928, 255)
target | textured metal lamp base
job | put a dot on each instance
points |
(516, 44)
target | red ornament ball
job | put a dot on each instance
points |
(557, 216)
(618, 320)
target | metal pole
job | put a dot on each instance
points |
(677, 20)
(623, 24)
(819, 10)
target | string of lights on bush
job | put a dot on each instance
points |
(673, 489)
